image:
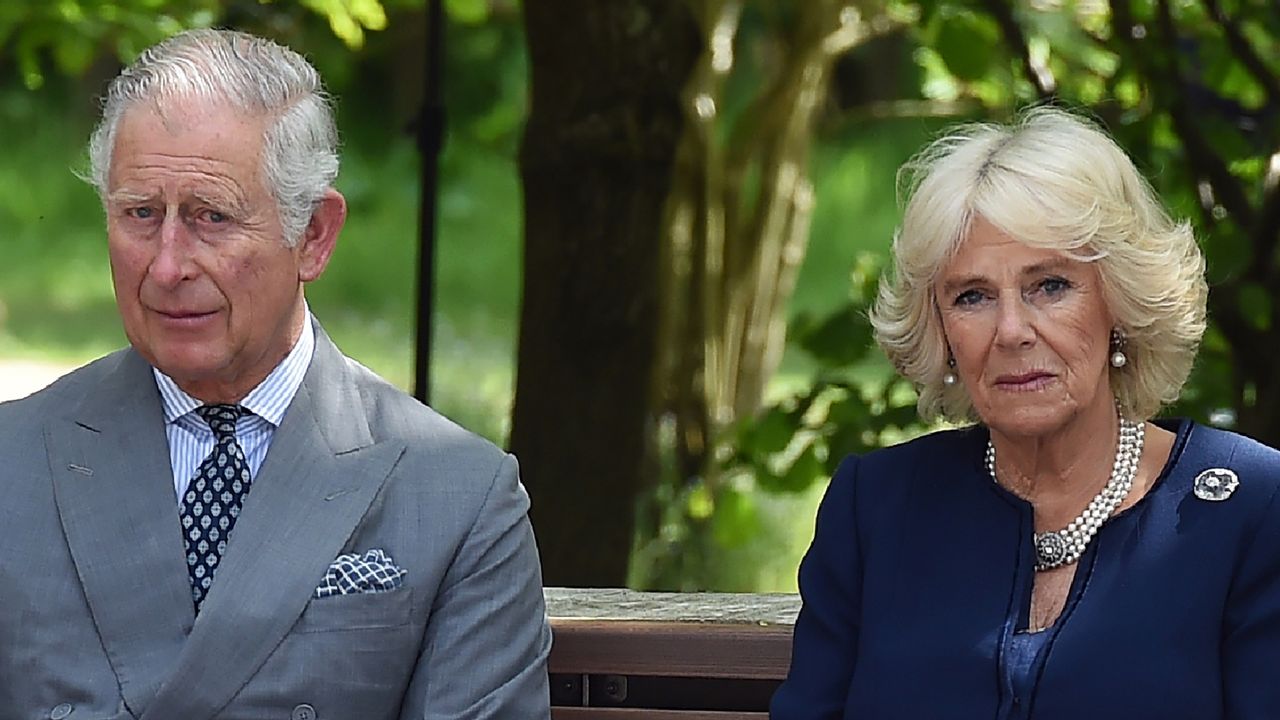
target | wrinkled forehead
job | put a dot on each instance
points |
(1022, 222)
(187, 113)
(983, 248)
(990, 245)
(205, 147)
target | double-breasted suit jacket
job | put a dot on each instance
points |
(96, 615)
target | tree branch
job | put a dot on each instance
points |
(1244, 50)
(1227, 189)
(1223, 304)
(1224, 310)
(1265, 233)
(1204, 162)
(1266, 237)
(1013, 35)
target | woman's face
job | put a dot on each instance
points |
(1029, 330)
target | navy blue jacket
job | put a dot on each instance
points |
(921, 567)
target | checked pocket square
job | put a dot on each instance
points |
(372, 572)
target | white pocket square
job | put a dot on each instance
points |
(372, 572)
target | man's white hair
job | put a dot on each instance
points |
(258, 76)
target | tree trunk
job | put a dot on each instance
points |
(596, 166)
(738, 227)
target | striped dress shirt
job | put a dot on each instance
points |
(191, 439)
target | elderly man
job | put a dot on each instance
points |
(230, 519)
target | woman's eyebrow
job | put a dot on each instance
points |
(1055, 264)
(954, 284)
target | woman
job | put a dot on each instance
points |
(1065, 556)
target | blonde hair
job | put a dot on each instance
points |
(1052, 180)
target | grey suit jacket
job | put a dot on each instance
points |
(96, 614)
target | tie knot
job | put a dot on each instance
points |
(221, 418)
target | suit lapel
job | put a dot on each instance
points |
(318, 480)
(114, 488)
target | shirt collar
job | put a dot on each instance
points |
(269, 400)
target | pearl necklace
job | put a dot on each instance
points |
(1063, 547)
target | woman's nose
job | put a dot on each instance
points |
(1014, 323)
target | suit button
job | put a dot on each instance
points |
(303, 712)
(61, 711)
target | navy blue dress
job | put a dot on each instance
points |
(921, 570)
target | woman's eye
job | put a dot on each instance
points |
(1054, 285)
(968, 297)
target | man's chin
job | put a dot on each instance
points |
(185, 367)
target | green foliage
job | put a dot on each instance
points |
(468, 12)
(71, 34)
(853, 405)
(753, 539)
(1255, 305)
(967, 42)
(350, 18)
(1191, 91)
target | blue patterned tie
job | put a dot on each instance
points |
(213, 498)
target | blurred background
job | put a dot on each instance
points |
(659, 224)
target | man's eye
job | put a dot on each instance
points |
(213, 217)
(141, 213)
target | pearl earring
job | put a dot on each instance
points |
(950, 378)
(1118, 358)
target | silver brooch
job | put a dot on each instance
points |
(1216, 484)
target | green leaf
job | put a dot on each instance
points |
(73, 53)
(804, 472)
(347, 29)
(1255, 305)
(348, 19)
(737, 518)
(29, 65)
(769, 434)
(840, 340)
(369, 13)
(467, 12)
(968, 43)
(806, 469)
(1227, 253)
(928, 10)
(700, 504)
(849, 414)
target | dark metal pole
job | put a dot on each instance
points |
(430, 137)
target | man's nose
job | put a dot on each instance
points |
(173, 261)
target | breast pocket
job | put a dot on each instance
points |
(348, 656)
(357, 611)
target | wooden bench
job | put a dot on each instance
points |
(667, 656)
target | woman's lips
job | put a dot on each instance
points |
(1024, 382)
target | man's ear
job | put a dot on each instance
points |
(318, 240)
